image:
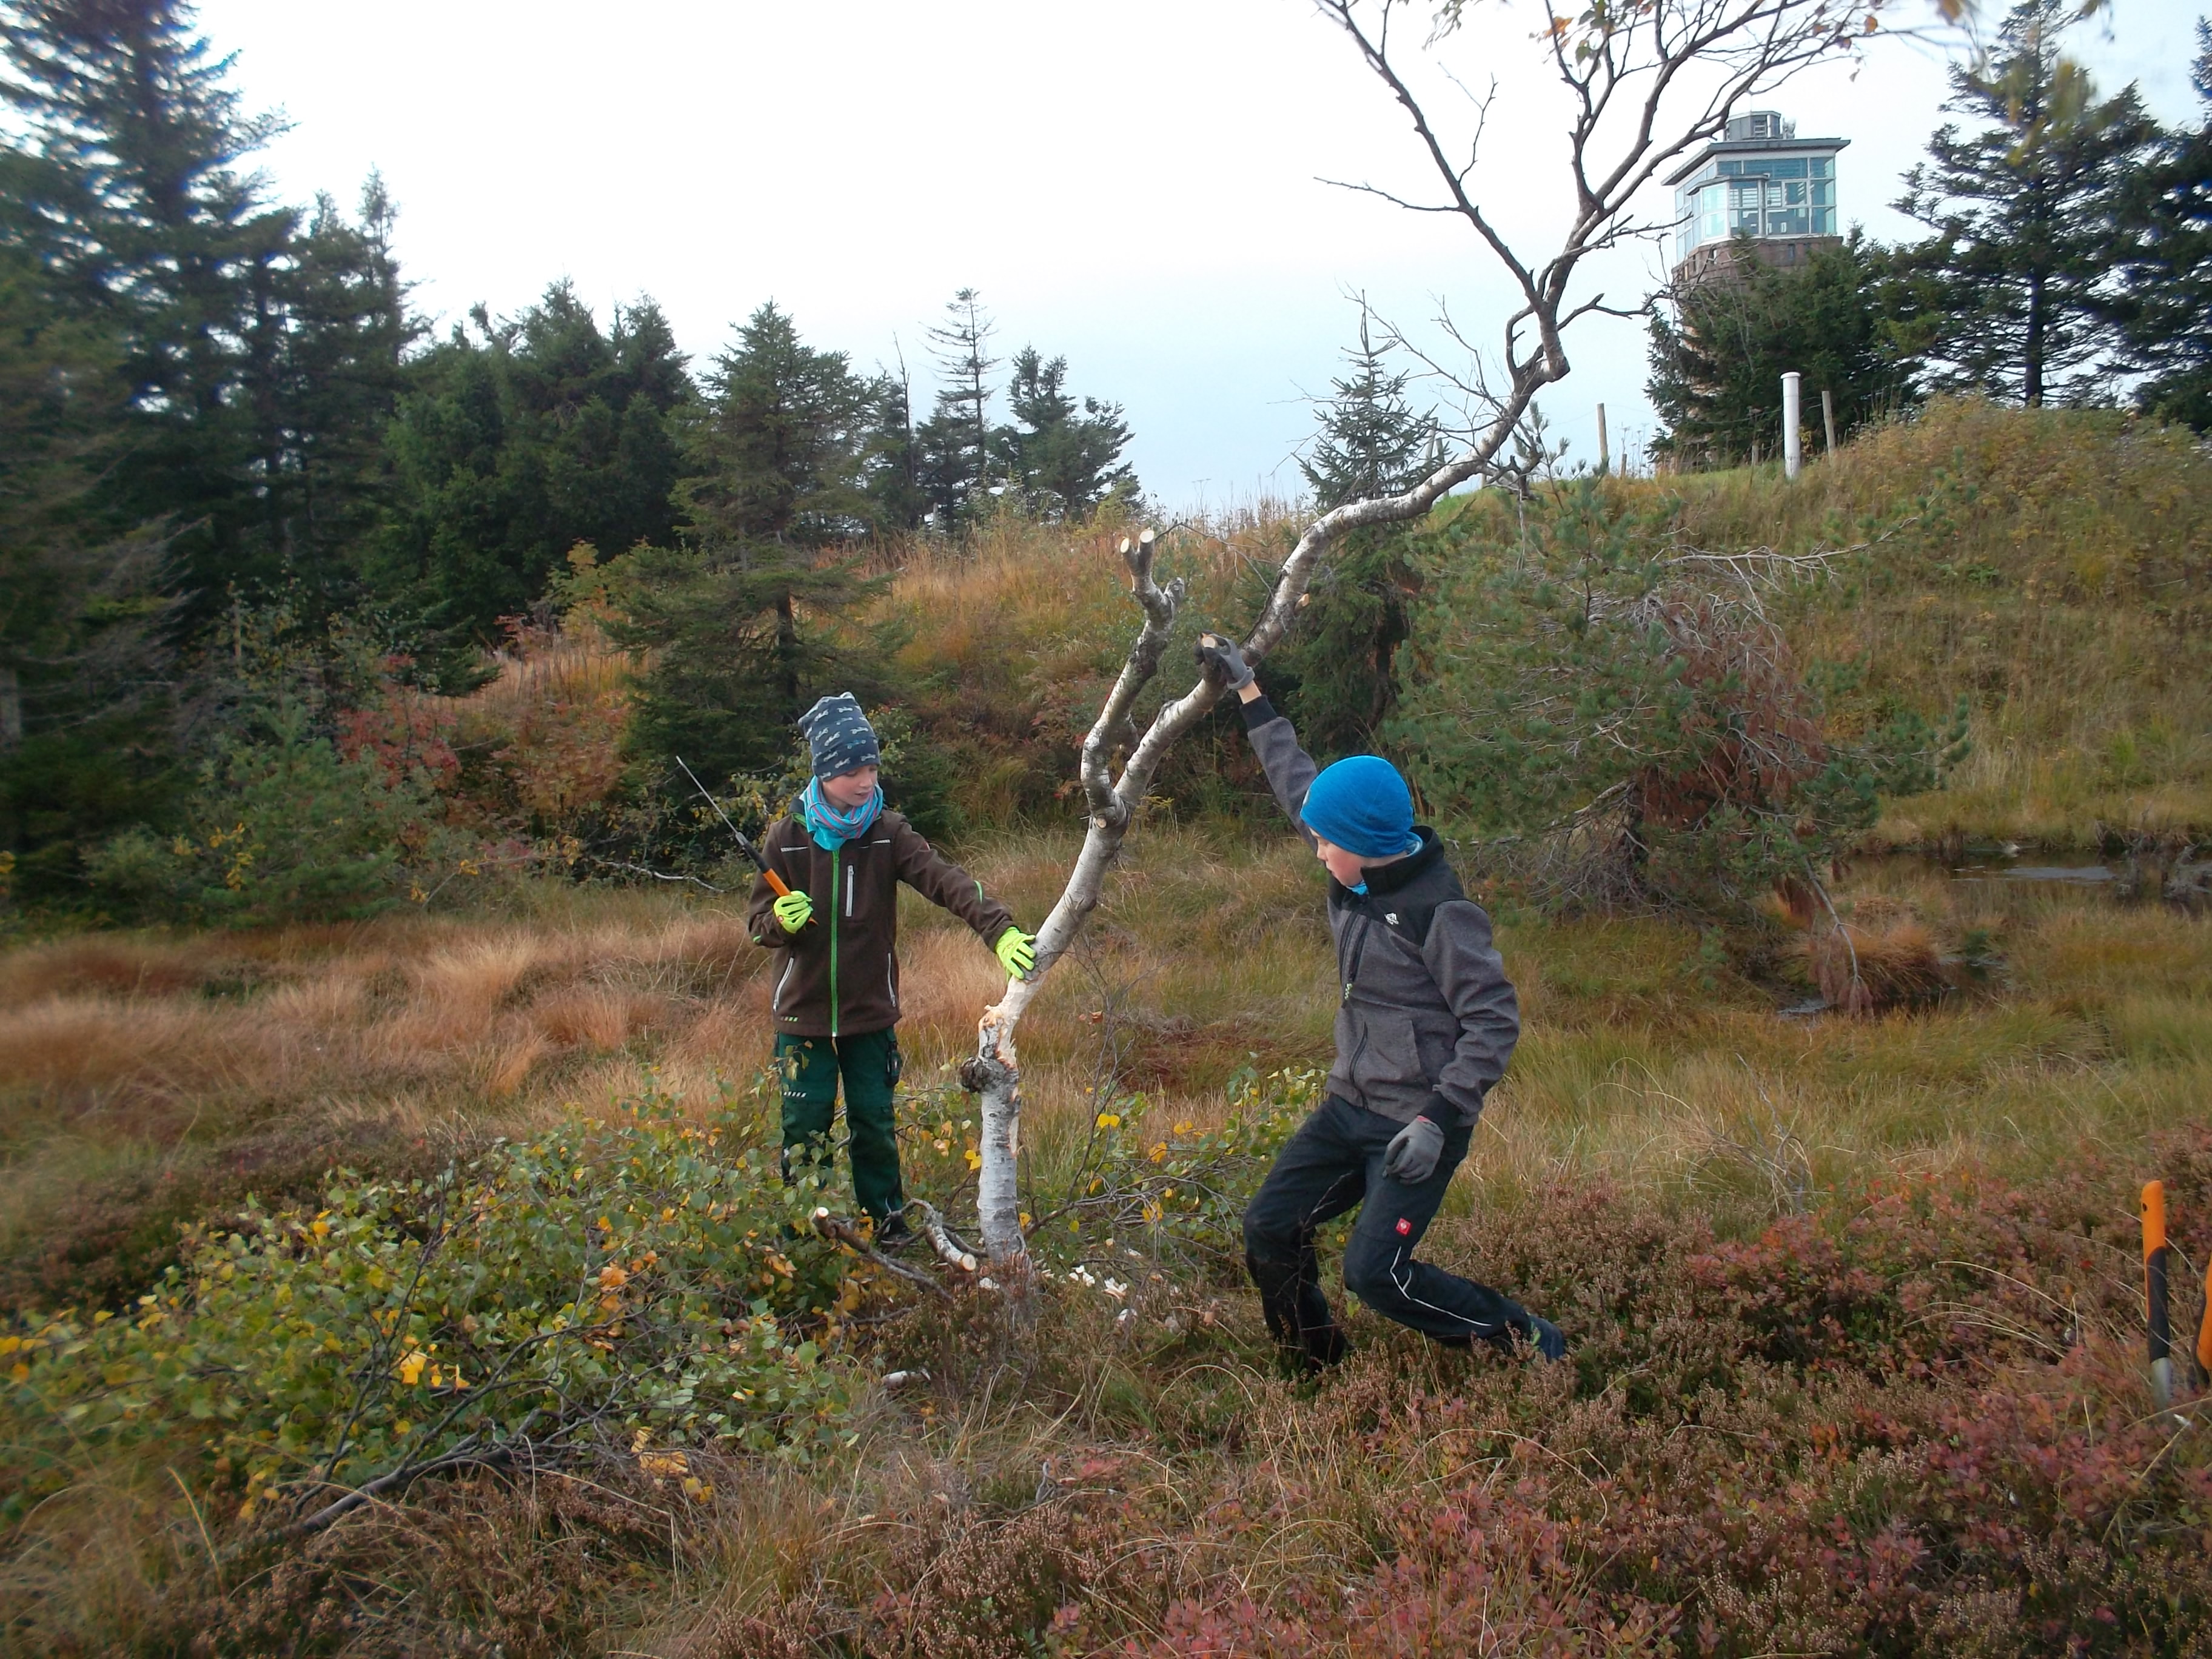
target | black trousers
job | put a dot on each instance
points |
(1332, 1163)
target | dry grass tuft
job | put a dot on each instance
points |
(1862, 968)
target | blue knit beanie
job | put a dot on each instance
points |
(1364, 806)
(840, 736)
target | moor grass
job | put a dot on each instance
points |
(1669, 1154)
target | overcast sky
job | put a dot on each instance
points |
(1130, 183)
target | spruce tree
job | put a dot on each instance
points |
(2167, 318)
(527, 436)
(773, 505)
(955, 442)
(1063, 458)
(2018, 280)
(129, 188)
(345, 333)
(1717, 365)
(1336, 674)
(893, 467)
(83, 617)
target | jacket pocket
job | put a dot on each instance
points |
(1388, 1054)
(790, 967)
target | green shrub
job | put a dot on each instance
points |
(1626, 718)
(283, 827)
(647, 1278)
(1175, 1188)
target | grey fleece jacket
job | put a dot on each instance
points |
(1426, 1019)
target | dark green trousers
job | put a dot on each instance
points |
(869, 1062)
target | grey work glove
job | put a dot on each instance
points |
(1221, 659)
(1412, 1155)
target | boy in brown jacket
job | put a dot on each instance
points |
(835, 934)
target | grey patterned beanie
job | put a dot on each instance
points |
(840, 735)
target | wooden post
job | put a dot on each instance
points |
(2155, 1293)
(1604, 452)
(1828, 418)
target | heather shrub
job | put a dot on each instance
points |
(1915, 1422)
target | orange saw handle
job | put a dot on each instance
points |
(776, 884)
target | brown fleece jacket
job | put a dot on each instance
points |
(838, 975)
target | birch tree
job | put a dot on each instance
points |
(1639, 83)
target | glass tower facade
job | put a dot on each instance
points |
(1761, 180)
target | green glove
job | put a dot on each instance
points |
(793, 911)
(1017, 953)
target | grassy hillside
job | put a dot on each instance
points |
(2054, 566)
(1668, 1158)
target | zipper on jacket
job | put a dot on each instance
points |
(1358, 950)
(836, 857)
(849, 892)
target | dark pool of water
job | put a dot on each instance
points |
(2188, 882)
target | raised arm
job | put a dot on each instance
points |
(1291, 771)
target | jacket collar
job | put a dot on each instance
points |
(1400, 873)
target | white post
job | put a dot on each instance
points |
(1793, 446)
(1604, 449)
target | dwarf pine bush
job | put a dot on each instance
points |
(648, 1278)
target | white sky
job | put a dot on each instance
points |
(1130, 183)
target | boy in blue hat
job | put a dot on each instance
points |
(1425, 1023)
(843, 854)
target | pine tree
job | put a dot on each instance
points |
(1336, 674)
(2019, 275)
(1716, 366)
(2168, 315)
(775, 502)
(955, 442)
(1063, 458)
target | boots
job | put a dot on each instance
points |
(1297, 1314)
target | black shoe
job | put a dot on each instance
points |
(1547, 1339)
(1324, 1347)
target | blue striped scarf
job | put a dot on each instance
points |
(831, 828)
